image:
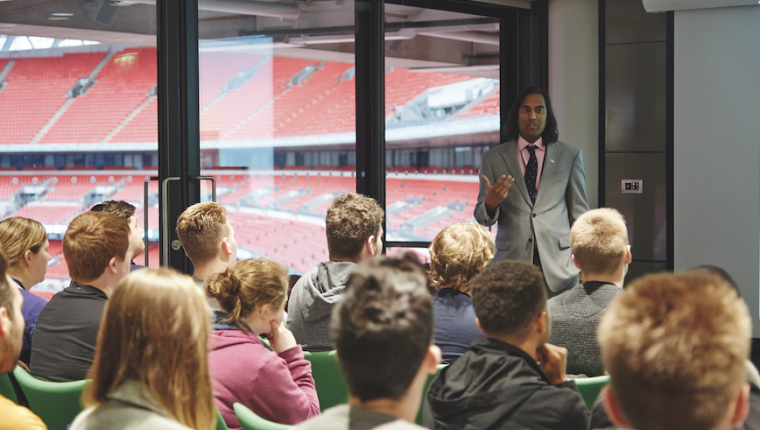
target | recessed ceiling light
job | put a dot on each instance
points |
(62, 14)
(123, 3)
(7, 25)
(58, 18)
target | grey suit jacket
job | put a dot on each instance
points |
(560, 200)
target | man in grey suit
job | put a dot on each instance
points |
(534, 222)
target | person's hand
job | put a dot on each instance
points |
(282, 339)
(496, 193)
(553, 361)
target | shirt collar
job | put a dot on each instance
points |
(19, 283)
(522, 143)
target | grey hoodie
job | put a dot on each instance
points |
(311, 303)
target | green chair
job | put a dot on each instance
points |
(250, 421)
(328, 378)
(56, 403)
(6, 388)
(220, 424)
(429, 381)
(591, 387)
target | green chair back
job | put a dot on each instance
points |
(429, 381)
(591, 387)
(250, 421)
(56, 403)
(220, 424)
(6, 388)
(328, 378)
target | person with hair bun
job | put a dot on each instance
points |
(277, 385)
(25, 243)
(457, 254)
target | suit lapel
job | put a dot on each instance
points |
(513, 164)
(550, 161)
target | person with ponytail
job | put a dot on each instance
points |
(277, 385)
(151, 361)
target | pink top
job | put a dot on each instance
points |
(276, 387)
(523, 152)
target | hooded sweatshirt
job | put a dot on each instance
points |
(496, 385)
(311, 303)
(277, 387)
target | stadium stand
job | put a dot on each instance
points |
(36, 88)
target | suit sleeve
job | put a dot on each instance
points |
(575, 195)
(481, 212)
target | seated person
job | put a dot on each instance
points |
(383, 331)
(150, 369)
(675, 347)
(96, 248)
(209, 242)
(354, 233)
(25, 244)
(512, 378)
(599, 240)
(124, 210)
(14, 417)
(457, 254)
(253, 298)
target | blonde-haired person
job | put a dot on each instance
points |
(25, 243)
(151, 362)
(457, 254)
(275, 385)
(599, 240)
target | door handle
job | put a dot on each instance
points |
(145, 213)
(165, 209)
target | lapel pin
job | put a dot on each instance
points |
(552, 160)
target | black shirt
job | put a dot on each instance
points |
(63, 346)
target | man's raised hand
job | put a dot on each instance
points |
(496, 193)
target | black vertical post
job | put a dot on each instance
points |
(509, 64)
(670, 137)
(370, 99)
(602, 136)
(178, 120)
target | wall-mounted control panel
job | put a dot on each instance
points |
(632, 186)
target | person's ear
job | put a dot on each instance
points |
(628, 255)
(741, 407)
(612, 407)
(477, 321)
(576, 262)
(113, 263)
(369, 245)
(541, 322)
(226, 248)
(265, 310)
(28, 257)
(431, 360)
(5, 322)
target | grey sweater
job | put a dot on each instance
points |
(575, 316)
(311, 303)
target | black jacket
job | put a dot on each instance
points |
(496, 385)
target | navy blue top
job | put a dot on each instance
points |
(455, 326)
(30, 309)
(134, 267)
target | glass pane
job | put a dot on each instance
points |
(442, 112)
(278, 122)
(77, 113)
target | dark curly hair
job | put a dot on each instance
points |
(512, 130)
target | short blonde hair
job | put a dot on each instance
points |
(200, 228)
(155, 330)
(675, 347)
(457, 254)
(18, 235)
(253, 283)
(598, 239)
